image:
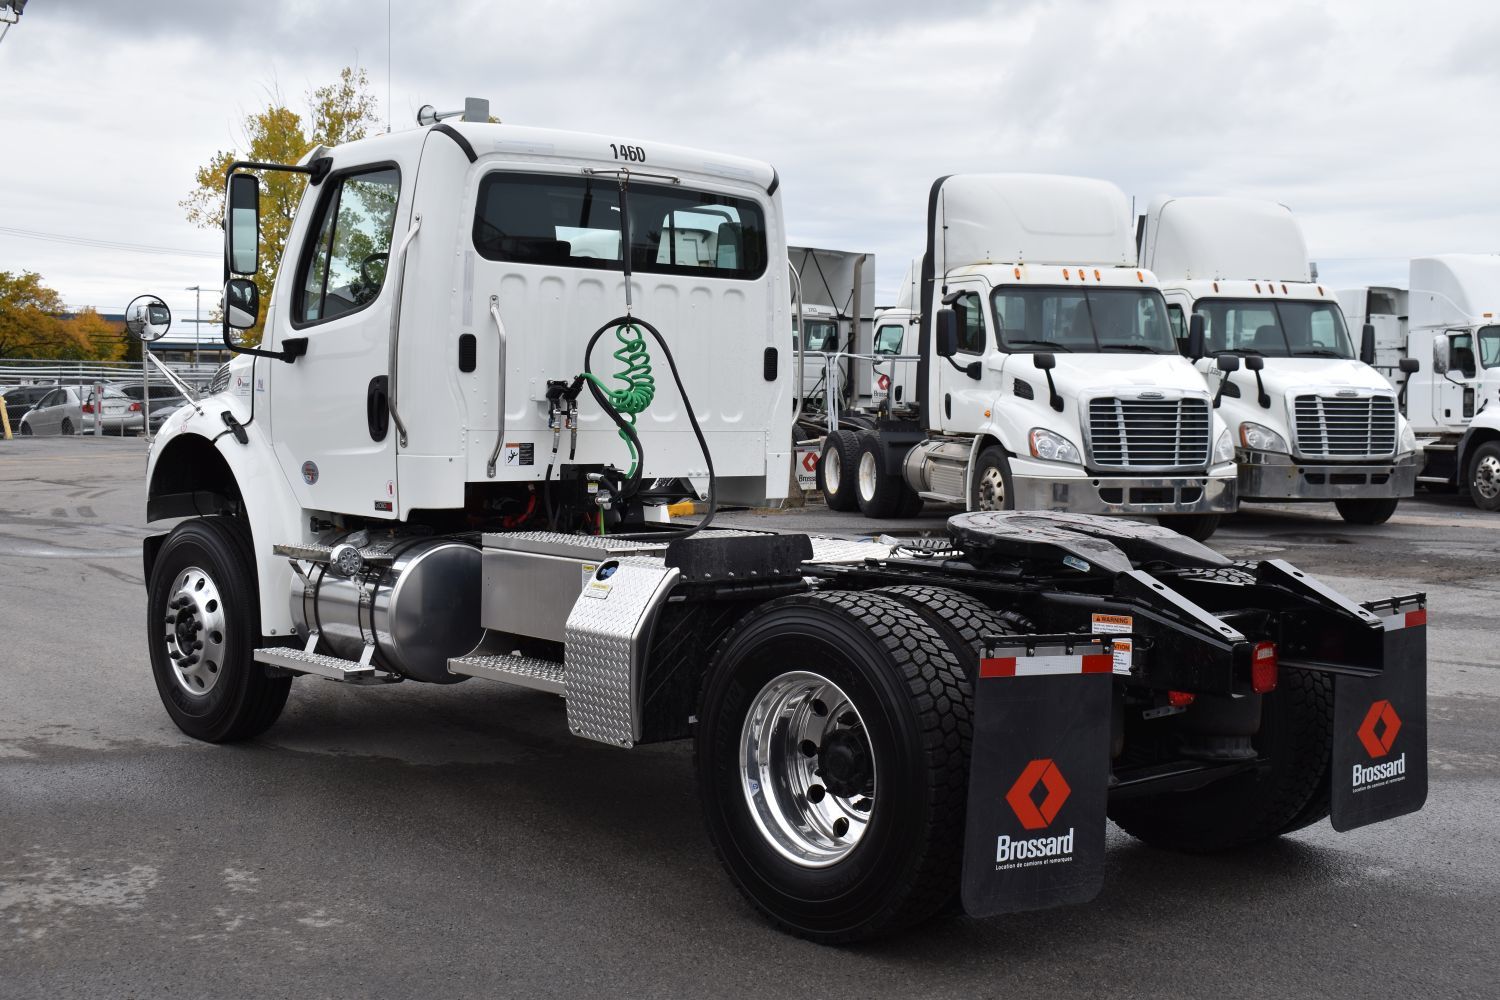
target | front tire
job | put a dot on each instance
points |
(203, 624)
(1198, 527)
(837, 821)
(1367, 511)
(836, 470)
(990, 486)
(1484, 476)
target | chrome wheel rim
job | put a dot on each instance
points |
(833, 470)
(867, 476)
(991, 489)
(194, 632)
(807, 769)
(1487, 477)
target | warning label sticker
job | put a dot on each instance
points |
(520, 453)
(1122, 648)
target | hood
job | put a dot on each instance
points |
(1288, 376)
(1078, 375)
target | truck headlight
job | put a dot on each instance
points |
(1223, 449)
(1054, 447)
(1259, 437)
(1408, 439)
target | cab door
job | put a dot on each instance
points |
(335, 439)
(1453, 390)
(962, 400)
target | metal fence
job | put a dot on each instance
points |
(43, 371)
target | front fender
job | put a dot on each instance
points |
(197, 462)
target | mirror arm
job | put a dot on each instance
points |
(1262, 397)
(1053, 399)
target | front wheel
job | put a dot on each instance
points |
(203, 623)
(1367, 511)
(1198, 527)
(990, 485)
(1484, 476)
(832, 759)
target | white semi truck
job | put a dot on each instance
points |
(1439, 339)
(1049, 377)
(1310, 420)
(406, 482)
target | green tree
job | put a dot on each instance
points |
(30, 323)
(97, 335)
(336, 113)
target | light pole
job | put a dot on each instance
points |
(197, 320)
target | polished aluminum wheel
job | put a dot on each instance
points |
(194, 631)
(1487, 477)
(807, 769)
(868, 477)
(990, 489)
(833, 470)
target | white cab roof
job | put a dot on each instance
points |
(1032, 218)
(1223, 238)
(1455, 289)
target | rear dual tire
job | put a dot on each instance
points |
(893, 765)
(836, 468)
(882, 491)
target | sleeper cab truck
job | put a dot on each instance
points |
(1049, 378)
(1310, 419)
(833, 295)
(1439, 341)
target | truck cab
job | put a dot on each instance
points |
(1440, 341)
(1050, 378)
(1309, 419)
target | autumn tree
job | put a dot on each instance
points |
(337, 113)
(30, 318)
(97, 335)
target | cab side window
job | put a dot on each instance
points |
(1178, 321)
(344, 266)
(970, 323)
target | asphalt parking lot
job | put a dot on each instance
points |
(445, 841)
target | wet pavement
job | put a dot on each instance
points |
(453, 841)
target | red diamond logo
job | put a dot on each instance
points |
(810, 461)
(883, 382)
(1021, 796)
(1378, 731)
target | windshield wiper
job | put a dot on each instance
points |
(1040, 343)
(1241, 350)
(1320, 352)
(1139, 348)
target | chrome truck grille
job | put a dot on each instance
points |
(1345, 427)
(1149, 433)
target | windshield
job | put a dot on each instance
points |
(1082, 320)
(1489, 346)
(1275, 329)
(822, 334)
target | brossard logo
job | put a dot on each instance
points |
(1378, 734)
(1036, 815)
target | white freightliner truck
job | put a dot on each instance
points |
(1049, 378)
(1310, 420)
(406, 482)
(1439, 339)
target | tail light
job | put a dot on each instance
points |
(1179, 699)
(135, 407)
(88, 407)
(1263, 667)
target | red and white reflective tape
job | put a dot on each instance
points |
(1036, 666)
(1405, 619)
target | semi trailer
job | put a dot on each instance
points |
(1309, 418)
(1048, 379)
(1439, 341)
(425, 472)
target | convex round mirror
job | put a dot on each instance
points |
(148, 318)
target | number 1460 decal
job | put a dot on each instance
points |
(632, 154)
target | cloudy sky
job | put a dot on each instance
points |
(1374, 121)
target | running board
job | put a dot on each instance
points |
(319, 665)
(509, 668)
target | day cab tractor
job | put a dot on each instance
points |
(427, 472)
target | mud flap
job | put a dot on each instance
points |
(1380, 729)
(1039, 774)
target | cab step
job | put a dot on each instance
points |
(321, 665)
(512, 668)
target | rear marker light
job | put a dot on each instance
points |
(1263, 667)
(1179, 699)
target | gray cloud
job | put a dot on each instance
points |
(1370, 120)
